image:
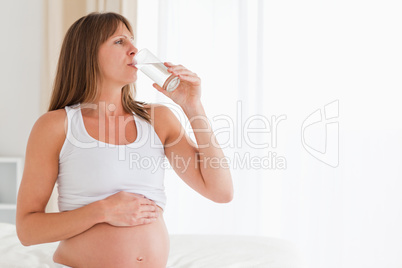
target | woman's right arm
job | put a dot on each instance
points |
(34, 226)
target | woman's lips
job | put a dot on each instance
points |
(133, 63)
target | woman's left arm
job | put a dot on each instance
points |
(202, 166)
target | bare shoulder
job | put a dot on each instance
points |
(158, 111)
(164, 121)
(49, 130)
(53, 117)
(53, 122)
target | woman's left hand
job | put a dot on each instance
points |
(188, 93)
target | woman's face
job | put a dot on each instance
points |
(115, 58)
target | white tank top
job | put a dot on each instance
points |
(91, 170)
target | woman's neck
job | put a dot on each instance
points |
(107, 104)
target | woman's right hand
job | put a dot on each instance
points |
(129, 209)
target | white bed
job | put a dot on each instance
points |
(187, 251)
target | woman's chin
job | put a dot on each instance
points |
(129, 81)
(133, 79)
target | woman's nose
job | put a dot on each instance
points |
(133, 50)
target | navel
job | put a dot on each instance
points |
(140, 259)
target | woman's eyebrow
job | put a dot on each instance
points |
(125, 36)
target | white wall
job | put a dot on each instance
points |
(20, 65)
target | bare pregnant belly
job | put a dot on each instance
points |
(104, 245)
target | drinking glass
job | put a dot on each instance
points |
(151, 66)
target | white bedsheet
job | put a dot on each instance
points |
(15, 255)
(186, 251)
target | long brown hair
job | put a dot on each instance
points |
(78, 68)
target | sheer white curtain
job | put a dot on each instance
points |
(195, 34)
(303, 97)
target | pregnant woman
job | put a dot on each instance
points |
(90, 143)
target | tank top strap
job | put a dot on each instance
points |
(78, 130)
(146, 132)
(75, 132)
